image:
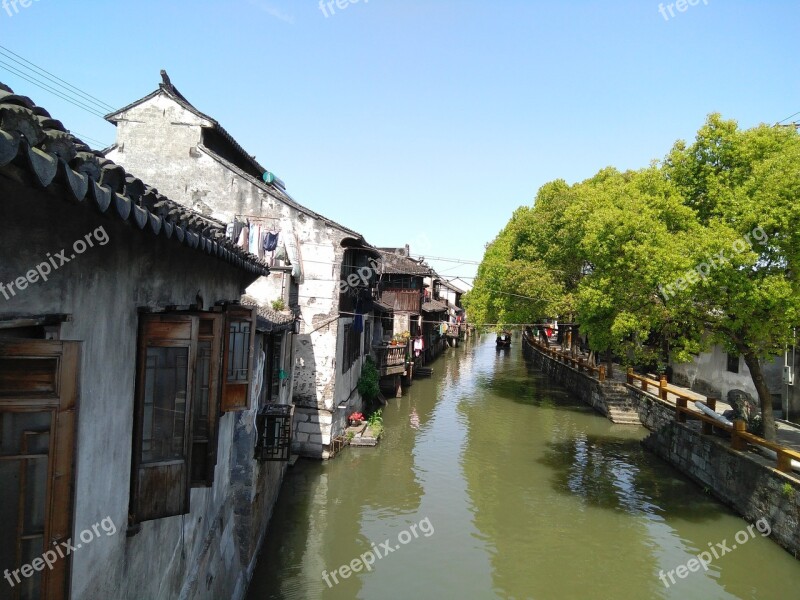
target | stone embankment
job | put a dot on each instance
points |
(745, 481)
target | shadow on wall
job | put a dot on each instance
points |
(307, 437)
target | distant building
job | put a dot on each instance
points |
(190, 156)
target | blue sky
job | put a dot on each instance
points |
(425, 122)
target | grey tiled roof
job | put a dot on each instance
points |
(433, 306)
(274, 317)
(395, 262)
(40, 145)
(167, 88)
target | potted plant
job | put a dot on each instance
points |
(355, 419)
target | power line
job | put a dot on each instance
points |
(57, 80)
(53, 91)
(787, 118)
(86, 137)
(438, 258)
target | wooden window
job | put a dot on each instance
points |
(294, 293)
(38, 402)
(240, 338)
(162, 416)
(205, 421)
(352, 347)
(274, 426)
(274, 371)
(346, 347)
(733, 363)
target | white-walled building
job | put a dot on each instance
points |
(193, 159)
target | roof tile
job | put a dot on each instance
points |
(31, 139)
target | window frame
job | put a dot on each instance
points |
(162, 331)
(211, 442)
(236, 393)
(730, 358)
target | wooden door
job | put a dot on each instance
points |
(38, 404)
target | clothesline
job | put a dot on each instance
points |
(350, 314)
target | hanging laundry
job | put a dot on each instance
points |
(271, 241)
(244, 239)
(262, 236)
(253, 239)
(358, 323)
(237, 230)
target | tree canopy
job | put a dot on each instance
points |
(698, 249)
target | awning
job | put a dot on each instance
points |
(382, 307)
(434, 306)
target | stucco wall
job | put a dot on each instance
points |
(708, 374)
(102, 290)
(159, 141)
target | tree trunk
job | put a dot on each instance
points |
(609, 363)
(764, 397)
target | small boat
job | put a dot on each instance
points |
(504, 339)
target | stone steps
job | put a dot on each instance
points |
(618, 404)
(623, 417)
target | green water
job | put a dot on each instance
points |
(516, 490)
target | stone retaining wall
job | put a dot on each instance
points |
(582, 385)
(751, 488)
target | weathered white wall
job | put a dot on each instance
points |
(159, 141)
(708, 374)
(196, 556)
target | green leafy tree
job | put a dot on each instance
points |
(701, 249)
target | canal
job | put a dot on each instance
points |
(492, 483)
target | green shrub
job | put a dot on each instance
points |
(278, 304)
(368, 383)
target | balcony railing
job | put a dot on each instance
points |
(455, 330)
(391, 360)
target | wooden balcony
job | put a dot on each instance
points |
(454, 330)
(391, 360)
(403, 300)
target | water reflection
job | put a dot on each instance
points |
(531, 493)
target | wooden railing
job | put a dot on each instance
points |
(738, 431)
(454, 330)
(390, 359)
(566, 358)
